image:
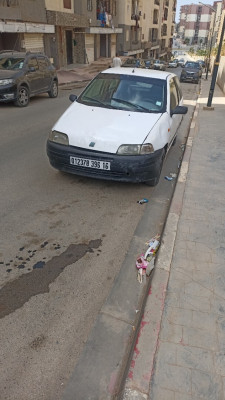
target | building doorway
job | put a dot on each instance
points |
(69, 48)
(102, 45)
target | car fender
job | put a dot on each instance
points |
(159, 136)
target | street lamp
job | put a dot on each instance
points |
(211, 40)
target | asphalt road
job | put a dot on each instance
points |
(63, 242)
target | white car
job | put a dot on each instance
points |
(120, 127)
(173, 63)
(160, 65)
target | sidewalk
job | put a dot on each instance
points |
(82, 73)
(180, 350)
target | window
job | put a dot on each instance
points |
(178, 88)
(33, 63)
(89, 5)
(67, 4)
(42, 62)
(173, 95)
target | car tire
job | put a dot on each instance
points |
(53, 92)
(155, 181)
(23, 97)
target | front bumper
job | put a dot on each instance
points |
(140, 168)
(189, 78)
(8, 93)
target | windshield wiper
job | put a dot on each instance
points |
(131, 104)
(97, 101)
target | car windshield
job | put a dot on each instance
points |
(191, 65)
(11, 62)
(126, 92)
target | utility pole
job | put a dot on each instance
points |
(215, 69)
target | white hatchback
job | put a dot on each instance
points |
(120, 127)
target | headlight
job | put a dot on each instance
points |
(5, 81)
(135, 149)
(59, 137)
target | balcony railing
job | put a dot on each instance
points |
(155, 21)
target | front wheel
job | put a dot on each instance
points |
(23, 97)
(155, 181)
(53, 92)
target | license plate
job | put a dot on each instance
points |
(86, 162)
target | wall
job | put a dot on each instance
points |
(221, 74)
(57, 5)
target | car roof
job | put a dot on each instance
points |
(148, 73)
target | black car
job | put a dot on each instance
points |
(191, 72)
(23, 75)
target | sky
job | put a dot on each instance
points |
(184, 2)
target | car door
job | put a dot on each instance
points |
(33, 75)
(174, 101)
(45, 71)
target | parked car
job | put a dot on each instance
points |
(181, 62)
(173, 63)
(120, 127)
(160, 65)
(23, 75)
(149, 63)
(134, 62)
(191, 72)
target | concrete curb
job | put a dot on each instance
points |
(137, 386)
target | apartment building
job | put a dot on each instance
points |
(23, 25)
(195, 23)
(215, 24)
(75, 31)
(148, 27)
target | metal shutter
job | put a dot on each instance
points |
(34, 42)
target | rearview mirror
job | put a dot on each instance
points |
(72, 98)
(179, 110)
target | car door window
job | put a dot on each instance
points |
(174, 100)
(33, 63)
(178, 86)
(42, 64)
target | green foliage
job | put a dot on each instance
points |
(201, 52)
(191, 50)
(215, 50)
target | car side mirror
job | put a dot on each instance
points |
(179, 110)
(72, 97)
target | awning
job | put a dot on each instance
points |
(22, 27)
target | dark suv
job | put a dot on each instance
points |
(23, 75)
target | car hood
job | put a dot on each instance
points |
(7, 73)
(190, 70)
(107, 129)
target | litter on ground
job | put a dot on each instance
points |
(146, 262)
(142, 201)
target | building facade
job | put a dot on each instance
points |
(79, 32)
(23, 25)
(195, 23)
